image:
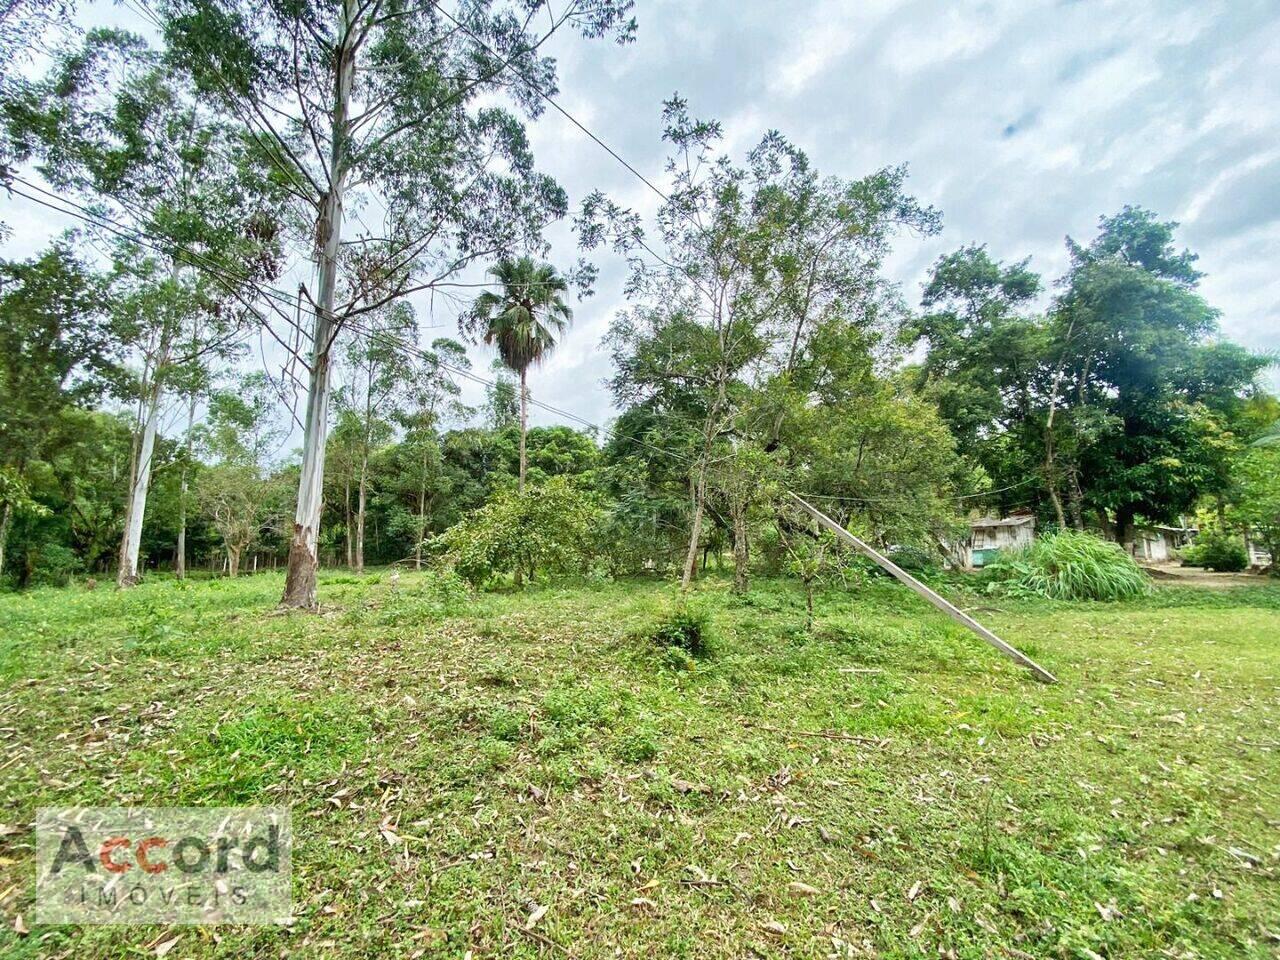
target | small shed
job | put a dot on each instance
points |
(989, 535)
(1157, 543)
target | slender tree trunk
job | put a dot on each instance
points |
(524, 427)
(140, 478)
(699, 487)
(180, 558)
(741, 555)
(233, 561)
(422, 518)
(698, 490)
(1050, 477)
(300, 580)
(1075, 498)
(360, 508)
(524, 424)
(1124, 524)
(346, 512)
(4, 532)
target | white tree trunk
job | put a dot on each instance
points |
(180, 559)
(699, 485)
(144, 450)
(361, 500)
(139, 484)
(300, 582)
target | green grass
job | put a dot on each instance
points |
(541, 749)
(1070, 565)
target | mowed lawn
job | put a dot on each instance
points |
(521, 775)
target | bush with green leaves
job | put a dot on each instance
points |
(916, 560)
(686, 627)
(1069, 565)
(53, 565)
(1217, 550)
(1256, 499)
(552, 528)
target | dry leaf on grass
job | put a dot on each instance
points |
(166, 946)
(537, 914)
(684, 786)
(802, 889)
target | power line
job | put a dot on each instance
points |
(508, 64)
(967, 496)
(137, 235)
(551, 100)
(200, 262)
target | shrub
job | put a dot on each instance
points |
(1217, 550)
(1069, 565)
(53, 565)
(550, 528)
(915, 560)
(687, 628)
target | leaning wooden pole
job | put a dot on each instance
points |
(950, 609)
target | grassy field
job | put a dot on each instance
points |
(884, 785)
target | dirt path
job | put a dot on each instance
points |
(1199, 577)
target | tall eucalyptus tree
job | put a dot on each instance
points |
(116, 123)
(387, 103)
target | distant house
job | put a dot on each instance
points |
(1157, 543)
(990, 535)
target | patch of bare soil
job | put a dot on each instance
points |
(1199, 577)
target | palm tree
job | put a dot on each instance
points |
(523, 319)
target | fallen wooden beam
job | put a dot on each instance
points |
(950, 609)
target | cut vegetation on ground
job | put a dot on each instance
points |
(536, 775)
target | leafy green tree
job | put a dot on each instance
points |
(241, 435)
(561, 451)
(1136, 338)
(418, 469)
(56, 351)
(523, 320)
(882, 454)
(744, 262)
(1255, 501)
(502, 400)
(116, 123)
(76, 481)
(380, 369)
(553, 528)
(391, 104)
(985, 365)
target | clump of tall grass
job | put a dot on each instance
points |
(1069, 565)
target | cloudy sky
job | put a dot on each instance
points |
(1022, 121)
